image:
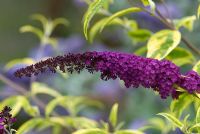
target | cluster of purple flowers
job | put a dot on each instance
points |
(6, 119)
(191, 82)
(135, 71)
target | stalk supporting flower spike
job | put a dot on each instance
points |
(162, 76)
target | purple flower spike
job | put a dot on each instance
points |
(6, 119)
(134, 70)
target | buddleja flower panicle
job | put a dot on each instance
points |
(134, 70)
(6, 119)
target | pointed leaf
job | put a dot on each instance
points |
(162, 43)
(139, 35)
(40, 18)
(119, 14)
(60, 21)
(179, 105)
(32, 29)
(72, 103)
(92, 10)
(172, 119)
(186, 22)
(97, 26)
(28, 108)
(113, 115)
(74, 122)
(40, 88)
(29, 125)
(52, 104)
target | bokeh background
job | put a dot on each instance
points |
(136, 105)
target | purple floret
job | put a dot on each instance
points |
(134, 70)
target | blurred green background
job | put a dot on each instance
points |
(136, 105)
(14, 14)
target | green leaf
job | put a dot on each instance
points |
(139, 35)
(29, 125)
(128, 132)
(44, 125)
(57, 123)
(40, 88)
(181, 56)
(91, 131)
(28, 108)
(72, 103)
(197, 67)
(92, 10)
(74, 122)
(113, 115)
(198, 116)
(195, 126)
(162, 43)
(198, 11)
(96, 27)
(12, 63)
(178, 106)
(186, 22)
(157, 123)
(12, 102)
(32, 29)
(60, 21)
(172, 119)
(52, 104)
(17, 103)
(42, 19)
(119, 14)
